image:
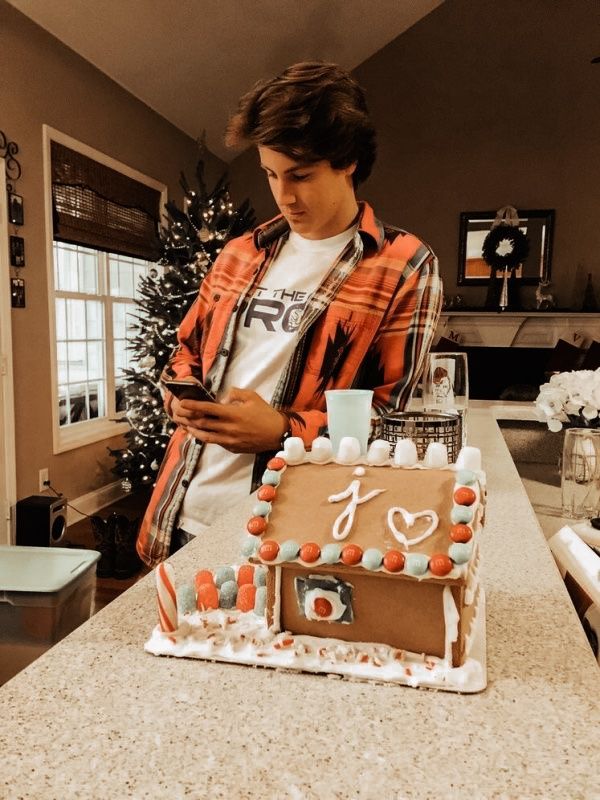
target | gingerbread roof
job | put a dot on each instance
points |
(412, 522)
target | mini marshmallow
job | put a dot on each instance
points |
(293, 449)
(349, 450)
(469, 458)
(379, 452)
(405, 454)
(436, 455)
(321, 449)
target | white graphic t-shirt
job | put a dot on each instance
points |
(265, 340)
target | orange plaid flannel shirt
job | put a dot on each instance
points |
(369, 325)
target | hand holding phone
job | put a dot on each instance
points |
(186, 390)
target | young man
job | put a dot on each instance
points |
(324, 296)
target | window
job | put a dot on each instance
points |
(93, 307)
(100, 245)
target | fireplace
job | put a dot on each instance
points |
(511, 354)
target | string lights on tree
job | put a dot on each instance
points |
(191, 242)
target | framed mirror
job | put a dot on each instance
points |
(538, 226)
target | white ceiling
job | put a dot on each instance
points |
(190, 60)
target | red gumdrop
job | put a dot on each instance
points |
(310, 552)
(245, 597)
(351, 554)
(440, 564)
(256, 526)
(208, 597)
(266, 492)
(245, 574)
(460, 533)
(393, 561)
(204, 576)
(276, 463)
(322, 607)
(464, 496)
(268, 550)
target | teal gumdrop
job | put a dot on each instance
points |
(260, 601)
(331, 553)
(260, 576)
(224, 574)
(461, 514)
(416, 564)
(250, 546)
(466, 477)
(271, 477)
(460, 552)
(262, 509)
(186, 599)
(372, 558)
(228, 594)
(289, 550)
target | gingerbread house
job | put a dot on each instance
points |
(381, 549)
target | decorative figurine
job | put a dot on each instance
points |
(544, 300)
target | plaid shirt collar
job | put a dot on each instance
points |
(369, 227)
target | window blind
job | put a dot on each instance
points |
(96, 206)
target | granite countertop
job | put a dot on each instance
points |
(97, 717)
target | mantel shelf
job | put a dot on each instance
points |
(519, 328)
(476, 313)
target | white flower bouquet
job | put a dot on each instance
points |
(570, 399)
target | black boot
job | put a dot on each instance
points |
(104, 536)
(127, 561)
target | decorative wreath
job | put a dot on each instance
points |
(505, 247)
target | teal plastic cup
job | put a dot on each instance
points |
(349, 414)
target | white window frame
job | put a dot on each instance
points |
(70, 437)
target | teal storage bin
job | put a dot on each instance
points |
(45, 593)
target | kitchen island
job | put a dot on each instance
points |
(97, 717)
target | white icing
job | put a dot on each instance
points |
(471, 635)
(436, 455)
(243, 638)
(305, 457)
(276, 626)
(348, 450)
(379, 452)
(359, 472)
(349, 512)
(337, 607)
(321, 450)
(405, 453)
(472, 577)
(451, 620)
(469, 458)
(293, 450)
(409, 521)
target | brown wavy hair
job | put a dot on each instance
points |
(313, 111)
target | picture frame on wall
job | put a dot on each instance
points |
(17, 251)
(15, 209)
(536, 224)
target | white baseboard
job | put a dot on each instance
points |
(92, 502)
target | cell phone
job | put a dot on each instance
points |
(185, 390)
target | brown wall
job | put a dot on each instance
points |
(42, 81)
(479, 105)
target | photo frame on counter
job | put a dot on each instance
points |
(537, 225)
(17, 251)
(15, 209)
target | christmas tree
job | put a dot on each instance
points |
(192, 241)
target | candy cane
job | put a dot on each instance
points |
(167, 599)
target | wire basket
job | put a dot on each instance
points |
(424, 428)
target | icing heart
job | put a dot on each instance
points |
(409, 521)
